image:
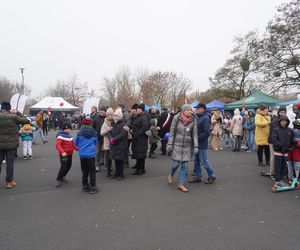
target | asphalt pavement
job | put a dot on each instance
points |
(238, 211)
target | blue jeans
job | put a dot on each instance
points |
(39, 132)
(250, 139)
(183, 170)
(201, 159)
(228, 139)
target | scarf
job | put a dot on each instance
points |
(185, 119)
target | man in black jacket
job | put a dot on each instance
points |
(140, 140)
(9, 139)
(164, 124)
(98, 120)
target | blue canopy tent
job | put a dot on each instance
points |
(215, 104)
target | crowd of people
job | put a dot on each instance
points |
(108, 136)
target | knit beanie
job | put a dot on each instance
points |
(281, 108)
(87, 121)
(185, 107)
(121, 104)
(66, 125)
(5, 106)
(109, 111)
(135, 106)
(141, 106)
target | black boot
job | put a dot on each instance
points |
(137, 172)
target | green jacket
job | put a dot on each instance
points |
(9, 129)
(154, 138)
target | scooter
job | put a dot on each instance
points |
(295, 185)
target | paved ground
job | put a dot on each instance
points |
(143, 212)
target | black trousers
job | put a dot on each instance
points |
(88, 169)
(280, 167)
(9, 156)
(260, 150)
(140, 165)
(65, 166)
(153, 147)
(45, 130)
(163, 147)
(108, 161)
(119, 168)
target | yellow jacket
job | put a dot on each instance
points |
(262, 129)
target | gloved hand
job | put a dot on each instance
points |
(112, 142)
(169, 148)
(196, 150)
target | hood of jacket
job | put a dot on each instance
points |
(63, 134)
(284, 118)
(88, 132)
(237, 112)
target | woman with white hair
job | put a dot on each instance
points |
(105, 129)
(183, 143)
(118, 143)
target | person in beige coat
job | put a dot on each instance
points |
(237, 130)
(105, 129)
(217, 130)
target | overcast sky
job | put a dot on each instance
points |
(53, 39)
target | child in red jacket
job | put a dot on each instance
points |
(294, 154)
(65, 147)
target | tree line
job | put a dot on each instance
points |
(268, 62)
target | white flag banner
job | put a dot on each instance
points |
(89, 103)
(22, 103)
(14, 101)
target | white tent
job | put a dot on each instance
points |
(53, 104)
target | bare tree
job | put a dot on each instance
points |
(6, 89)
(122, 86)
(180, 85)
(239, 77)
(72, 90)
(9, 88)
(281, 49)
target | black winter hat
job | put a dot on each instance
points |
(141, 106)
(200, 105)
(5, 106)
(121, 104)
(135, 106)
(281, 108)
(66, 125)
(164, 110)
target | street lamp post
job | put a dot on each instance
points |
(23, 84)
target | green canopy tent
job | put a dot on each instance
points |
(254, 101)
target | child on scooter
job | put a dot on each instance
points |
(283, 141)
(294, 153)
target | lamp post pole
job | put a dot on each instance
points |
(23, 84)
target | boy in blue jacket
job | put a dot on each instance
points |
(86, 142)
